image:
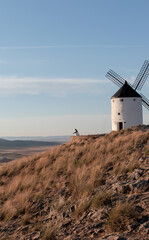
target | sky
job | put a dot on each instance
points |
(54, 55)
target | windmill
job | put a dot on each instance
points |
(126, 103)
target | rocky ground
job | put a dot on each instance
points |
(92, 224)
(90, 220)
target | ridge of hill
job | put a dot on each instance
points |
(94, 187)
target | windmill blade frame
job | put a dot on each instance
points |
(145, 101)
(142, 76)
(145, 104)
(114, 77)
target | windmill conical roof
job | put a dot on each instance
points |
(126, 91)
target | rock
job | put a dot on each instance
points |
(36, 236)
(72, 208)
(65, 215)
(121, 188)
(139, 186)
(144, 228)
(94, 235)
(24, 229)
(113, 237)
(76, 238)
(99, 214)
(66, 224)
(136, 174)
(32, 236)
(98, 225)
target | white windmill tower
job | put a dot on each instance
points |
(126, 103)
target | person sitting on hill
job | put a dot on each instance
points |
(76, 132)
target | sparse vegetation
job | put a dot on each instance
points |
(121, 215)
(26, 219)
(72, 174)
(49, 233)
(81, 208)
(102, 198)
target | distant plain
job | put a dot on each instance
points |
(12, 148)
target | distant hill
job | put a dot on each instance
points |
(93, 187)
(39, 138)
(26, 143)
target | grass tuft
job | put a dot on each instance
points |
(120, 216)
(102, 198)
(49, 233)
(82, 208)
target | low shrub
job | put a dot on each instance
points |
(49, 233)
(81, 208)
(101, 198)
(120, 216)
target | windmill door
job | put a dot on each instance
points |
(120, 126)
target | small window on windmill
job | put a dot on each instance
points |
(134, 99)
(121, 100)
(118, 113)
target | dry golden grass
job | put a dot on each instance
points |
(7, 211)
(49, 232)
(81, 208)
(102, 198)
(120, 215)
(82, 164)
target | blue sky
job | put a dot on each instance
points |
(54, 55)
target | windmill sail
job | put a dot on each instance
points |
(114, 77)
(142, 76)
(145, 101)
(138, 84)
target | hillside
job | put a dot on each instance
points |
(94, 187)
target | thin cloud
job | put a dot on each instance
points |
(55, 86)
(66, 46)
